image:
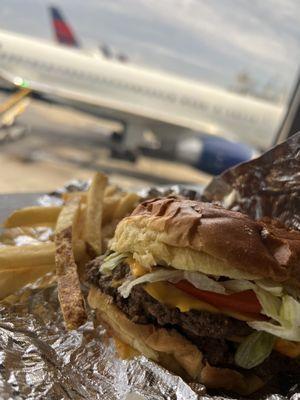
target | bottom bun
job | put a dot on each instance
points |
(170, 349)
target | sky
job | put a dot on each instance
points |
(208, 40)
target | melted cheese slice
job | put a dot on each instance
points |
(290, 349)
(125, 351)
(169, 295)
(136, 268)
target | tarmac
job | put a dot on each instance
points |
(61, 144)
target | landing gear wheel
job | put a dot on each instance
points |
(123, 154)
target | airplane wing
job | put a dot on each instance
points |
(63, 32)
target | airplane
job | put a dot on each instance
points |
(141, 99)
(64, 35)
(63, 32)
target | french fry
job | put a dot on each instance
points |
(93, 220)
(70, 195)
(20, 265)
(110, 203)
(13, 257)
(126, 205)
(110, 190)
(34, 254)
(13, 279)
(30, 216)
(26, 235)
(83, 227)
(79, 250)
(108, 231)
(46, 280)
(69, 291)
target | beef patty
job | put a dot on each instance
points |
(142, 308)
(206, 330)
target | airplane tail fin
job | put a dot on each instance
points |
(63, 31)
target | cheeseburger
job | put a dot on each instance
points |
(206, 292)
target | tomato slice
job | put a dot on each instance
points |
(245, 301)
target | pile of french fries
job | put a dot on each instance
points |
(81, 229)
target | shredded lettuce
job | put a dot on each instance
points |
(274, 289)
(277, 330)
(290, 311)
(284, 312)
(199, 280)
(203, 282)
(254, 350)
(111, 261)
(238, 285)
(158, 275)
(270, 304)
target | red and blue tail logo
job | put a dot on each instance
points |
(63, 32)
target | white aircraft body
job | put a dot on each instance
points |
(141, 98)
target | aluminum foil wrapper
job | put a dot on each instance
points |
(268, 186)
(39, 359)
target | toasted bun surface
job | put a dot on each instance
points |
(204, 237)
(169, 348)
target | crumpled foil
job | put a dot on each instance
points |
(39, 359)
(268, 186)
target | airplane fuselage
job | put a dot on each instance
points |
(151, 96)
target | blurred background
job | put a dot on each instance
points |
(149, 92)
